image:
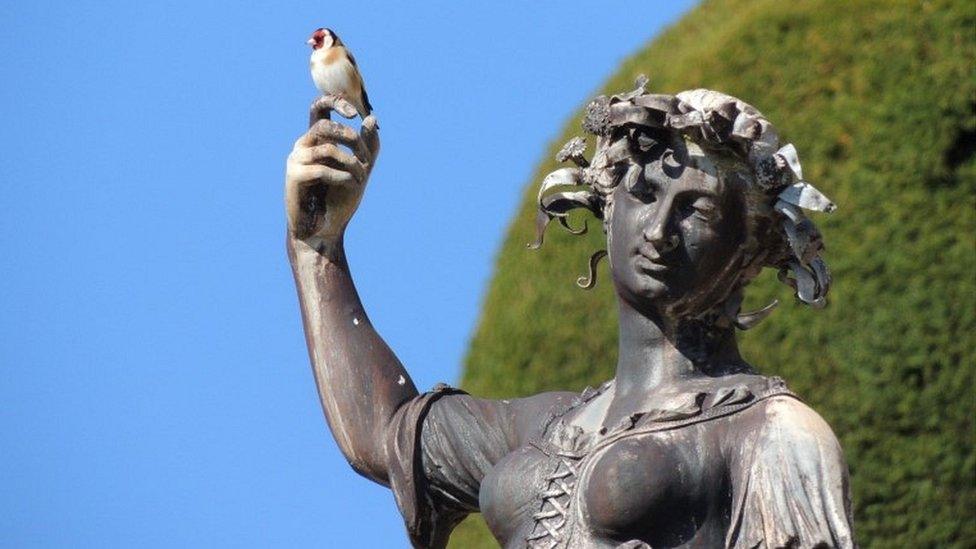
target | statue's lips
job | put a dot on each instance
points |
(649, 261)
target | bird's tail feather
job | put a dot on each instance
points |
(367, 107)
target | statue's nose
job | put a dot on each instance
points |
(665, 244)
(657, 234)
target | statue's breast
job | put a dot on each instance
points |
(654, 487)
(508, 493)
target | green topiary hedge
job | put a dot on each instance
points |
(880, 100)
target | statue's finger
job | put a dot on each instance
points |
(371, 135)
(327, 131)
(323, 106)
(332, 155)
(321, 109)
(313, 173)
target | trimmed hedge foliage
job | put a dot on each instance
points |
(880, 100)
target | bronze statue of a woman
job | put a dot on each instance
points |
(686, 446)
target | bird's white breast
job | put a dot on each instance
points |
(332, 78)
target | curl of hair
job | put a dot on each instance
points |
(629, 126)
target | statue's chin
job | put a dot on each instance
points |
(648, 296)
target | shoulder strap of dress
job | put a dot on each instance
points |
(708, 415)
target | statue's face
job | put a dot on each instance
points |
(675, 229)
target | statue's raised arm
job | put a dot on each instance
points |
(360, 381)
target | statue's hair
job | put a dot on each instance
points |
(630, 127)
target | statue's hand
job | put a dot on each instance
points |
(324, 183)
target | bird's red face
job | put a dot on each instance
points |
(321, 38)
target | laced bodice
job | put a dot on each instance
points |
(694, 472)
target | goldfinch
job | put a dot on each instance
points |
(334, 70)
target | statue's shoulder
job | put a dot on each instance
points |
(789, 479)
(770, 416)
(787, 419)
(785, 433)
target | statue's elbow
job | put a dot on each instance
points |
(367, 463)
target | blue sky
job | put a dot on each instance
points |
(155, 386)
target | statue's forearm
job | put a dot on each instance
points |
(360, 381)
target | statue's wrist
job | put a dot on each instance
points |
(319, 247)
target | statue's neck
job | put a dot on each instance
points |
(656, 351)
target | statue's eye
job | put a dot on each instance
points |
(641, 184)
(644, 192)
(701, 208)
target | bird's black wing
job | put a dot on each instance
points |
(369, 108)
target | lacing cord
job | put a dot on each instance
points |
(559, 486)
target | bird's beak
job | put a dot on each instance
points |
(310, 41)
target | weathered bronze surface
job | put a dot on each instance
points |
(687, 446)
